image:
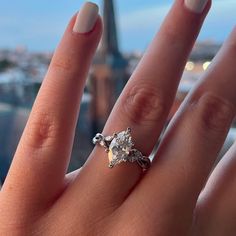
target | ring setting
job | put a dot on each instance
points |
(120, 148)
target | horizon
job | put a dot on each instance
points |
(24, 25)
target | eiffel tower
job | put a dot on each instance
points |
(108, 75)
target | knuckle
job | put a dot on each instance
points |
(216, 114)
(42, 130)
(143, 104)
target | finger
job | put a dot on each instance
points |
(143, 106)
(70, 177)
(190, 146)
(215, 212)
(43, 153)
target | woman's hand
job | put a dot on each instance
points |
(38, 198)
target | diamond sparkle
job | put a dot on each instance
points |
(120, 148)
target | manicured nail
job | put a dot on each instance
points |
(86, 18)
(196, 5)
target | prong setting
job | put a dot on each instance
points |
(120, 148)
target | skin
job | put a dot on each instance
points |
(176, 196)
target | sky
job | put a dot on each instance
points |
(38, 25)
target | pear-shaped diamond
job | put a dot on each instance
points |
(120, 148)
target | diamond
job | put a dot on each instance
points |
(120, 148)
(135, 155)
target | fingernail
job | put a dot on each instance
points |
(196, 5)
(86, 18)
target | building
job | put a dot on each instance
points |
(108, 74)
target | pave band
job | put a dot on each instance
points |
(120, 148)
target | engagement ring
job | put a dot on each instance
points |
(120, 148)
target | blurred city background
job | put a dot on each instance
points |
(30, 31)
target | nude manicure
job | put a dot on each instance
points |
(86, 18)
(196, 5)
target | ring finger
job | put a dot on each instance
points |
(144, 104)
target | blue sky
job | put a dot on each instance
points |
(40, 24)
